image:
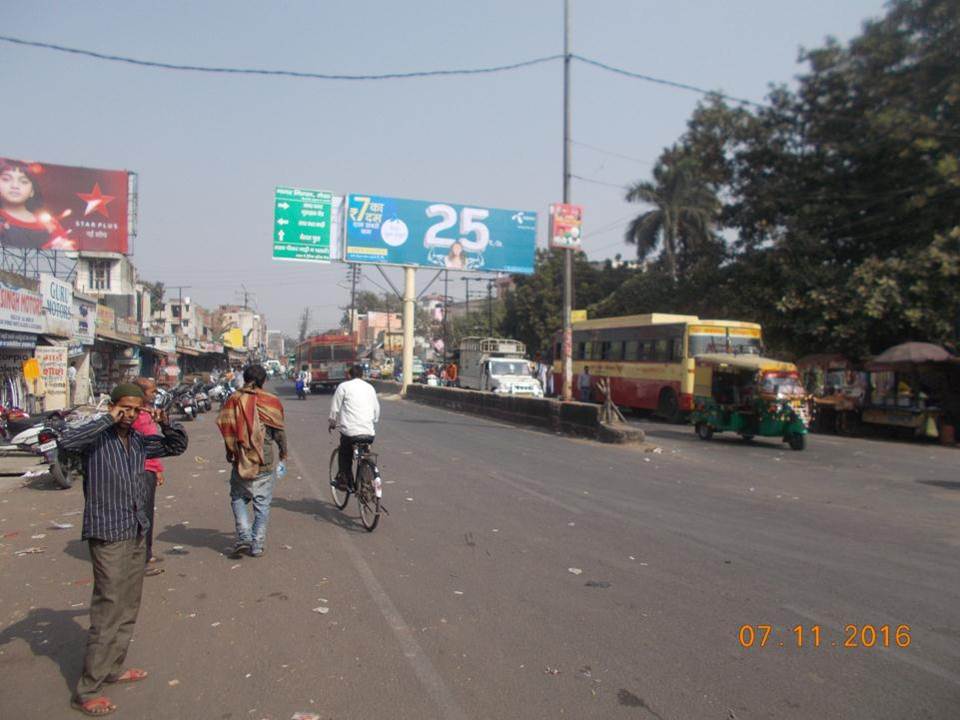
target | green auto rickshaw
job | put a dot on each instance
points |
(749, 395)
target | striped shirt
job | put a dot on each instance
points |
(114, 489)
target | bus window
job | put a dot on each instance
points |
(580, 353)
(596, 350)
(319, 354)
(604, 351)
(615, 351)
(632, 350)
(676, 352)
(661, 351)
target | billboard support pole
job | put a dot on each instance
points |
(567, 253)
(409, 298)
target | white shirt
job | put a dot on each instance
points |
(355, 408)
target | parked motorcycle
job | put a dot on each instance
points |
(31, 434)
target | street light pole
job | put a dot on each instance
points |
(567, 253)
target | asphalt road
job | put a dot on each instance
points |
(464, 603)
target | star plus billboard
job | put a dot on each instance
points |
(58, 207)
(393, 231)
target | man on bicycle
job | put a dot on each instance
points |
(354, 411)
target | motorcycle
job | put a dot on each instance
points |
(31, 434)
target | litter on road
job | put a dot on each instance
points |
(31, 551)
(323, 610)
(574, 571)
(60, 526)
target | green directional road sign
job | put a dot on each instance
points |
(302, 222)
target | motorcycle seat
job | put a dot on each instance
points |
(15, 427)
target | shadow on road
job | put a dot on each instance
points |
(322, 511)
(945, 484)
(441, 422)
(78, 549)
(208, 538)
(52, 634)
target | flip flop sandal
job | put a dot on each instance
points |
(95, 707)
(155, 560)
(128, 676)
(154, 571)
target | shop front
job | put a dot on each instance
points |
(21, 322)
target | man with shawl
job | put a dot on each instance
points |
(250, 421)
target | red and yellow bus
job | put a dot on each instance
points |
(326, 358)
(649, 359)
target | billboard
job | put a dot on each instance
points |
(305, 224)
(58, 207)
(393, 231)
(20, 309)
(53, 368)
(565, 226)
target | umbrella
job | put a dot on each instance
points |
(910, 353)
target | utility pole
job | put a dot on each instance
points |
(246, 297)
(490, 283)
(354, 278)
(446, 301)
(179, 289)
(567, 253)
(467, 281)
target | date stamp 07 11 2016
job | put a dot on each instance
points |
(811, 636)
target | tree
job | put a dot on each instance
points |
(684, 209)
(156, 291)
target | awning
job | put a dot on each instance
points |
(184, 350)
(117, 338)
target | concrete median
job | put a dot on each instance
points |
(573, 418)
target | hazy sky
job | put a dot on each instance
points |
(209, 149)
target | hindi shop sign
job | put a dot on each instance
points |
(53, 369)
(305, 224)
(20, 309)
(57, 306)
(84, 321)
(565, 226)
(392, 231)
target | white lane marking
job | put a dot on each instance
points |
(904, 655)
(422, 667)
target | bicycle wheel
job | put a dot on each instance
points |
(367, 497)
(340, 497)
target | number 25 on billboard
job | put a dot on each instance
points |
(469, 223)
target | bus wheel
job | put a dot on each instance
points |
(704, 431)
(669, 406)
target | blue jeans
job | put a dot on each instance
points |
(259, 491)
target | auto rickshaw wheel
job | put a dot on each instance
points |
(797, 441)
(704, 431)
(746, 438)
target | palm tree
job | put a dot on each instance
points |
(684, 207)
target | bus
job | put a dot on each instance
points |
(649, 359)
(326, 358)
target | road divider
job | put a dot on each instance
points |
(571, 418)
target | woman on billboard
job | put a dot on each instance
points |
(23, 221)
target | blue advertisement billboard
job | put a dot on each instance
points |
(392, 231)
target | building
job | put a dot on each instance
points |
(112, 279)
(276, 345)
(371, 324)
(251, 324)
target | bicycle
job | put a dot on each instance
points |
(366, 485)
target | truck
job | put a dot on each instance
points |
(497, 365)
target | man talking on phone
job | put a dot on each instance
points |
(115, 524)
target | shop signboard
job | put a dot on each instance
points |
(59, 207)
(17, 341)
(165, 343)
(106, 318)
(84, 320)
(57, 306)
(53, 370)
(210, 347)
(127, 326)
(20, 309)
(393, 231)
(305, 224)
(565, 226)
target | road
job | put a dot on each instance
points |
(518, 574)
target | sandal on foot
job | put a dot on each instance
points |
(95, 707)
(154, 559)
(128, 676)
(153, 571)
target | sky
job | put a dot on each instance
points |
(210, 149)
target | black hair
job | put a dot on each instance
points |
(255, 374)
(356, 371)
(36, 201)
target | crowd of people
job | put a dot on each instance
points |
(121, 455)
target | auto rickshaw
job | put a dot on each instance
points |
(749, 395)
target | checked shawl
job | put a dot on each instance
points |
(242, 423)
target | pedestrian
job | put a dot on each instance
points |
(250, 421)
(153, 468)
(72, 383)
(586, 385)
(114, 525)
